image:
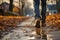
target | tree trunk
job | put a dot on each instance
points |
(58, 6)
(11, 6)
(19, 8)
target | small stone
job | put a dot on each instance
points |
(26, 35)
(30, 35)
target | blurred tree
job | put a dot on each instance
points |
(11, 6)
(20, 10)
(58, 5)
(23, 5)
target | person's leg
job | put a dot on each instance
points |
(37, 16)
(36, 7)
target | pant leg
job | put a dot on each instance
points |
(36, 7)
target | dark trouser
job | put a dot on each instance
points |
(36, 7)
